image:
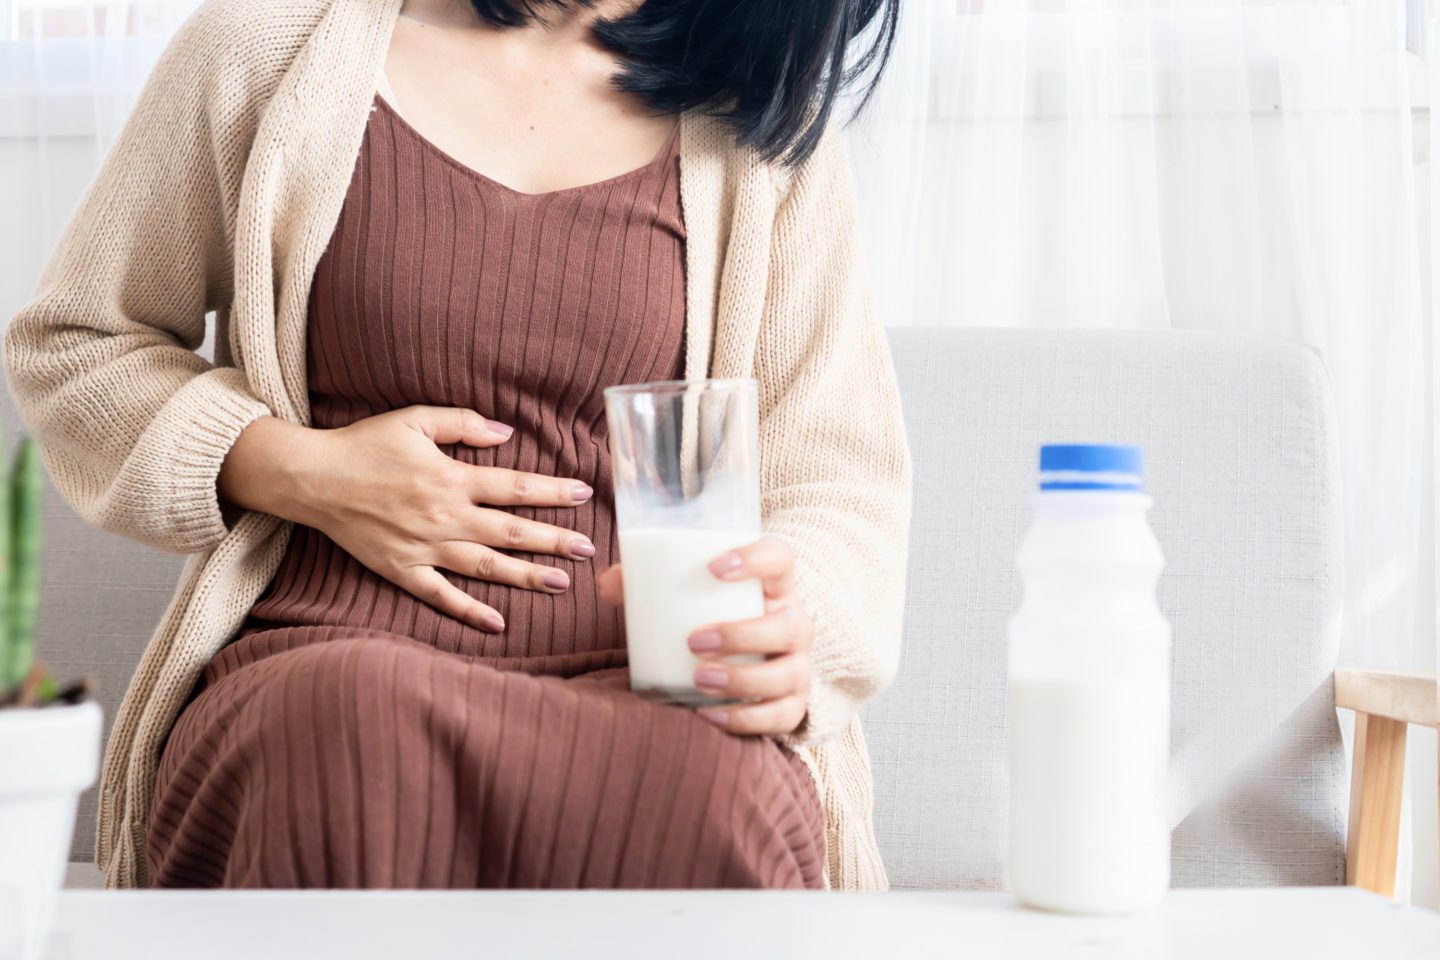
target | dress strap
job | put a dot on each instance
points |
(382, 84)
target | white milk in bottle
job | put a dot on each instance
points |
(1089, 693)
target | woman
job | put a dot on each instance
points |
(432, 231)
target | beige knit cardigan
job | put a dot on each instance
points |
(221, 194)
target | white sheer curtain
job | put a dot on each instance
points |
(1255, 165)
(69, 72)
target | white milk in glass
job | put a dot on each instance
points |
(1088, 719)
(687, 490)
(669, 592)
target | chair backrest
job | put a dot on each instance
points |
(1242, 461)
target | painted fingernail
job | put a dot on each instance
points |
(581, 492)
(583, 549)
(718, 717)
(705, 640)
(711, 677)
(492, 622)
(725, 564)
(497, 427)
(556, 580)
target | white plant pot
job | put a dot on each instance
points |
(48, 757)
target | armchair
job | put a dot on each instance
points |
(1385, 703)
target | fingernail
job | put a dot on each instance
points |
(497, 427)
(705, 640)
(583, 549)
(726, 564)
(718, 717)
(711, 677)
(492, 622)
(556, 580)
(581, 492)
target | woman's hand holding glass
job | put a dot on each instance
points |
(772, 694)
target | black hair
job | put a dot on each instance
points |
(772, 69)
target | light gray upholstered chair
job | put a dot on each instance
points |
(1241, 459)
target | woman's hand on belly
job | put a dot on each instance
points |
(773, 692)
(384, 491)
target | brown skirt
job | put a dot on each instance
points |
(336, 757)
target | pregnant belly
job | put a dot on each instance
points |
(320, 585)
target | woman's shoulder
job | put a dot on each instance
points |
(825, 164)
(229, 37)
(712, 140)
(255, 20)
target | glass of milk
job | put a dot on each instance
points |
(1089, 692)
(685, 457)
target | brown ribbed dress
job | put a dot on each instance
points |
(353, 736)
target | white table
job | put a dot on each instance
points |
(1230, 925)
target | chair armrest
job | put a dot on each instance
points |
(1384, 701)
(1410, 696)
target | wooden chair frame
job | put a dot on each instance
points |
(1385, 702)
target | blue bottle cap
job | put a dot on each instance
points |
(1090, 466)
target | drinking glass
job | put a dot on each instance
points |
(685, 456)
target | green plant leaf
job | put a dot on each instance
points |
(27, 483)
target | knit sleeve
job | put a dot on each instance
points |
(132, 424)
(834, 461)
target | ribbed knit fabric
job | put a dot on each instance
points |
(443, 287)
(221, 194)
(337, 757)
(355, 736)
